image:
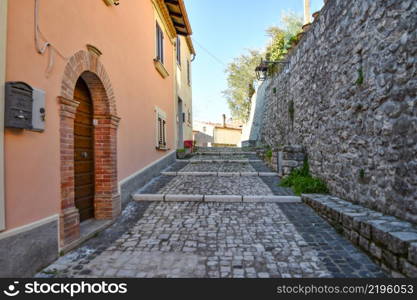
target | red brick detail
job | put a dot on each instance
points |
(107, 202)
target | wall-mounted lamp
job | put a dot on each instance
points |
(263, 69)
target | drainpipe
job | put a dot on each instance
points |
(3, 41)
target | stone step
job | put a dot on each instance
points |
(225, 153)
(220, 174)
(215, 198)
(216, 185)
(196, 161)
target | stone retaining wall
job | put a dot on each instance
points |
(349, 97)
(392, 243)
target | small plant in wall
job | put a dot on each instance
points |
(302, 182)
(362, 174)
(291, 110)
(361, 78)
(363, 178)
(268, 154)
(181, 153)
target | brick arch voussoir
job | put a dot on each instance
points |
(88, 66)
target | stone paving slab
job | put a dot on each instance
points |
(214, 185)
(224, 153)
(221, 240)
(275, 199)
(201, 166)
(218, 167)
(337, 253)
(233, 156)
(215, 198)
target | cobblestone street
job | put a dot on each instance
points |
(216, 240)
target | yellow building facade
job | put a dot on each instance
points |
(185, 54)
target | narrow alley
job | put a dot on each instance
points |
(218, 215)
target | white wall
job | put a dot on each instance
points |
(3, 37)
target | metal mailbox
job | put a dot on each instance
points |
(18, 105)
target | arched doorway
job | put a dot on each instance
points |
(84, 175)
(88, 139)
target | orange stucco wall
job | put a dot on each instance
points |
(126, 36)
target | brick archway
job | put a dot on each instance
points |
(107, 203)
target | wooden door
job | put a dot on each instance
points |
(84, 152)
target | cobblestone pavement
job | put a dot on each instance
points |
(219, 167)
(216, 240)
(214, 185)
(222, 240)
(225, 157)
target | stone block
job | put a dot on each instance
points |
(272, 199)
(184, 198)
(364, 243)
(399, 242)
(249, 174)
(407, 268)
(148, 197)
(354, 237)
(412, 253)
(197, 174)
(347, 218)
(268, 174)
(169, 173)
(228, 174)
(366, 227)
(223, 198)
(390, 259)
(375, 251)
(290, 163)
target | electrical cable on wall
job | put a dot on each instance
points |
(209, 53)
(42, 49)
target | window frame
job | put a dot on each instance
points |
(159, 44)
(189, 72)
(161, 141)
(178, 50)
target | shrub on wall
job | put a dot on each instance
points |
(301, 181)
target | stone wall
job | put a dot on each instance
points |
(252, 129)
(348, 96)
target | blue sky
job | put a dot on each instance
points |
(226, 28)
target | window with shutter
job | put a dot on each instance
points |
(179, 50)
(161, 130)
(189, 73)
(159, 44)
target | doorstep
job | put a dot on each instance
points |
(88, 229)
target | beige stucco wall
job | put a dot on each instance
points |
(126, 36)
(184, 90)
(203, 133)
(3, 40)
(227, 136)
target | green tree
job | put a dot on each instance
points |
(241, 77)
(281, 37)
